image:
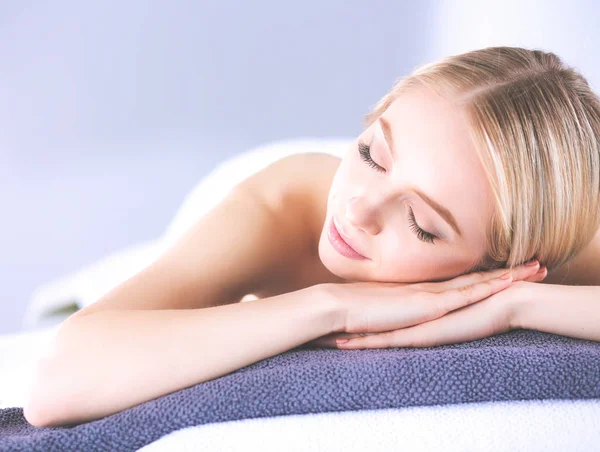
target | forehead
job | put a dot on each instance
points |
(436, 153)
(422, 116)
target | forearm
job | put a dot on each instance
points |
(108, 361)
(567, 310)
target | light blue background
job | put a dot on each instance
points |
(110, 112)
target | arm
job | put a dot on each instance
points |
(178, 322)
(566, 310)
(237, 248)
(108, 361)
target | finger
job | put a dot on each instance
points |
(539, 276)
(422, 335)
(329, 340)
(520, 272)
(525, 271)
(376, 340)
(463, 325)
(463, 296)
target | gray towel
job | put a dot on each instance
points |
(518, 365)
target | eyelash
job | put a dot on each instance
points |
(420, 233)
(424, 236)
(365, 153)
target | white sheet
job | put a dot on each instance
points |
(19, 354)
(537, 425)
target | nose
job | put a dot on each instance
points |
(363, 214)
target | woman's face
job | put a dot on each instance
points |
(419, 146)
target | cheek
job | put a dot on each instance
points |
(394, 252)
(411, 263)
(403, 260)
(339, 185)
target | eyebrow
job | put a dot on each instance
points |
(441, 210)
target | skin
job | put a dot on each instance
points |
(433, 153)
(430, 135)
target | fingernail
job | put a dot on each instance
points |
(531, 263)
(341, 341)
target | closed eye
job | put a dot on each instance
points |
(365, 153)
(427, 237)
(421, 234)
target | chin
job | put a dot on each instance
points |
(337, 264)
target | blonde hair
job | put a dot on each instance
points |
(535, 123)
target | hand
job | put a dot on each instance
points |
(472, 321)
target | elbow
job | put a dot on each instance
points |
(37, 410)
(47, 403)
(43, 416)
(51, 386)
(39, 415)
(34, 416)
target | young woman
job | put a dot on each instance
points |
(468, 168)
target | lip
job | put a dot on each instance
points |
(341, 244)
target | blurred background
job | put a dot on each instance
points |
(111, 112)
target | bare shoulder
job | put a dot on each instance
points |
(295, 188)
(294, 180)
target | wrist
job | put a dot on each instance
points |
(524, 296)
(334, 309)
(515, 315)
